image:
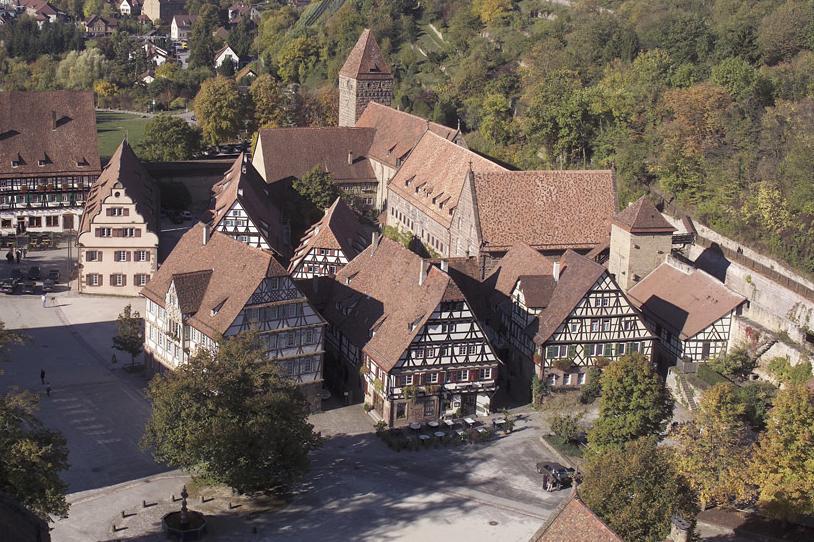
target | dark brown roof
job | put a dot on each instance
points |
(124, 171)
(365, 60)
(340, 228)
(577, 277)
(518, 261)
(377, 303)
(544, 209)
(685, 301)
(575, 522)
(397, 132)
(242, 183)
(434, 174)
(642, 217)
(184, 20)
(236, 271)
(190, 289)
(537, 290)
(292, 152)
(56, 129)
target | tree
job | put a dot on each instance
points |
(268, 101)
(738, 363)
(786, 373)
(32, 456)
(240, 39)
(230, 418)
(566, 427)
(168, 138)
(129, 333)
(636, 490)
(201, 45)
(713, 451)
(634, 403)
(219, 109)
(296, 59)
(785, 31)
(317, 186)
(783, 463)
(593, 387)
(80, 70)
(8, 338)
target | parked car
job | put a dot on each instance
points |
(28, 286)
(186, 215)
(9, 286)
(562, 475)
(48, 285)
(34, 273)
(53, 274)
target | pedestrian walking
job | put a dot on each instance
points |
(48, 391)
(44, 300)
(19, 255)
(545, 482)
(9, 257)
(25, 251)
(42, 376)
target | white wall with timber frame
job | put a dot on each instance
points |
(237, 224)
(320, 262)
(709, 343)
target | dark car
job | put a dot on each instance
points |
(34, 273)
(16, 274)
(563, 475)
(48, 285)
(28, 286)
(53, 274)
(176, 218)
(9, 286)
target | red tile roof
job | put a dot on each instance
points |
(48, 133)
(575, 522)
(292, 152)
(685, 301)
(365, 60)
(436, 171)
(643, 217)
(519, 260)
(397, 132)
(545, 209)
(124, 171)
(340, 228)
(236, 271)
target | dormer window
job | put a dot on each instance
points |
(41, 163)
(15, 163)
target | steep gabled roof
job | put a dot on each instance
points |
(236, 272)
(365, 60)
(242, 183)
(537, 290)
(47, 133)
(434, 174)
(397, 132)
(545, 209)
(642, 217)
(190, 289)
(340, 228)
(292, 152)
(182, 20)
(124, 171)
(518, 261)
(575, 522)
(686, 301)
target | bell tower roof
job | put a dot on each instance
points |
(642, 217)
(365, 60)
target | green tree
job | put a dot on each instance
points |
(79, 71)
(230, 418)
(786, 373)
(738, 363)
(317, 186)
(713, 450)
(785, 31)
(32, 456)
(168, 138)
(296, 59)
(268, 100)
(636, 490)
(593, 387)
(219, 108)
(201, 45)
(783, 462)
(634, 403)
(497, 116)
(129, 333)
(240, 38)
(8, 338)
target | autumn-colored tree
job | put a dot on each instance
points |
(783, 461)
(713, 450)
(269, 102)
(491, 10)
(296, 59)
(219, 108)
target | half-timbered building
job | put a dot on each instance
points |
(219, 287)
(407, 339)
(331, 243)
(242, 207)
(690, 310)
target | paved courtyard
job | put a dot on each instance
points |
(358, 489)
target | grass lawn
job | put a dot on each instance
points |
(112, 127)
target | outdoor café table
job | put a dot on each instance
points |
(423, 437)
(433, 424)
(499, 421)
(415, 426)
(469, 421)
(449, 423)
(461, 433)
(440, 434)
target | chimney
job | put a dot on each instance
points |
(350, 158)
(445, 266)
(240, 192)
(422, 272)
(680, 529)
(205, 234)
(555, 271)
(53, 120)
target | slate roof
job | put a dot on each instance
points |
(643, 217)
(365, 60)
(242, 183)
(685, 302)
(379, 291)
(397, 132)
(126, 170)
(292, 152)
(575, 522)
(544, 209)
(340, 228)
(236, 271)
(56, 127)
(437, 170)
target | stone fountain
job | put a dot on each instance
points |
(185, 524)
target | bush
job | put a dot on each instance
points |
(736, 364)
(381, 427)
(368, 407)
(757, 398)
(592, 388)
(709, 375)
(566, 427)
(178, 103)
(563, 364)
(786, 373)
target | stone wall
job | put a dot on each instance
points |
(636, 255)
(197, 176)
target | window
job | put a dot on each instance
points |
(606, 324)
(94, 279)
(432, 378)
(552, 380)
(485, 374)
(634, 347)
(121, 256)
(595, 323)
(574, 326)
(142, 256)
(463, 376)
(52, 221)
(429, 353)
(448, 328)
(309, 336)
(559, 351)
(443, 351)
(429, 408)
(117, 211)
(705, 348)
(408, 380)
(293, 309)
(118, 279)
(34, 221)
(620, 349)
(567, 379)
(581, 378)
(473, 349)
(462, 350)
(401, 410)
(141, 279)
(290, 338)
(608, 350)
(130, 232)
(597, 349)
(93, 256)
(104, 232)
(628, 324)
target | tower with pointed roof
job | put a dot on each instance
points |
(365, 77)
(641, 239)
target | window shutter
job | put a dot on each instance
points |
(98, 232)
(127, 255)
(126, 212)
(109, 211)
(124, 279)
(99, 255)
(147, 255)
(113, 280)
(101, 279)
(473, 375)
(138, 232)
(117, 232)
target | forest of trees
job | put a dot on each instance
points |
(709, 104)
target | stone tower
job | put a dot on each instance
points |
(365, 77)
(641, 239)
